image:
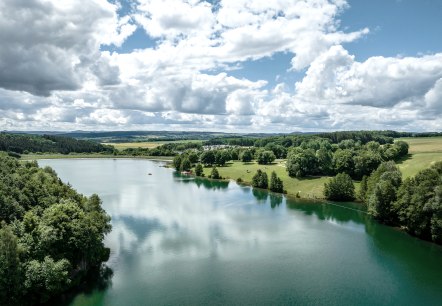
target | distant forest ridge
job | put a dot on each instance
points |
(91, 142)
(28, 143)
(146, 136)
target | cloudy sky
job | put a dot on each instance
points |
(221, 65)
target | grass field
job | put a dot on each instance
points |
(307, 188)
(149, 144)
(424, 151)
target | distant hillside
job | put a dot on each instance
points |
(29, 143)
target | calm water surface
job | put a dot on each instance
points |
(182, 241)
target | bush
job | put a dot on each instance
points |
(215, 174)
(199, 170)
(260, 180)
(276, 184)
(340, 188)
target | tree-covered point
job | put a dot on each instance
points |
(25, 143)
(50, 235)
(414, 204)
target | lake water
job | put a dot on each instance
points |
(182, 241)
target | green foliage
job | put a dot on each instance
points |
(19, 143)
(343, 161)
(246, 156)
(419, 204)
(56, 232)
(381, 192)
(215, 174)
(265, 157)
(340, 188)
(276, 184)
(186, 165)
(208, 158)
(46, 278)
(199, 169)
(177, 162)
(11, 276)
(221, 157)
(260, 179)
(301, 163)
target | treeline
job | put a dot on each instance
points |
(50, 235)
(320, 157)
(414, 204)
(287, 141)
(168, 149)
(25, 143)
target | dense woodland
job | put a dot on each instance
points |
(50, 235)
(414, 204)
(26, 143)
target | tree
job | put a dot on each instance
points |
(46, 278)
(215, 174)
(193, 156)
(199, 170)
(260, 179)
(340, 188)
(10, 267)
(265, 157)
(419, 204)
(381, 192)
(276, 184)
(177, 162)
(221, 157)
(246, 156)
(301, 163)
(208, 158)
(343, 161)
(186, 165)
(325, 160)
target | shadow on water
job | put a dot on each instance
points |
(412, 257)
(260, 195)
(205, 182)
(98, 279)
(275, 199)
(339, 212)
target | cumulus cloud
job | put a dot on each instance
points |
(54, 73)
(54, 45)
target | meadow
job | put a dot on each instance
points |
(423, 152)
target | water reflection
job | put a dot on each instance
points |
(206, 183)
(174, 242)
(275, 200)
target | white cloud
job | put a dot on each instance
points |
(54, 45)
(53, 74)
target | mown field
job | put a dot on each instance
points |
(311, 187)
(424, 151)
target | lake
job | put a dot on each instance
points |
(183, 241)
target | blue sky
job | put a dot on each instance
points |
(227, 65)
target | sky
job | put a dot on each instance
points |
(221, 65)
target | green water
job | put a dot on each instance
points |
(181, 241)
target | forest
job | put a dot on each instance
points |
(414, 204)
(50, 235)
(27, 143)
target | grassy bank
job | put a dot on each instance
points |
(92, 155)
(311, 187)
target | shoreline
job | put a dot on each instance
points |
(30, 157)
